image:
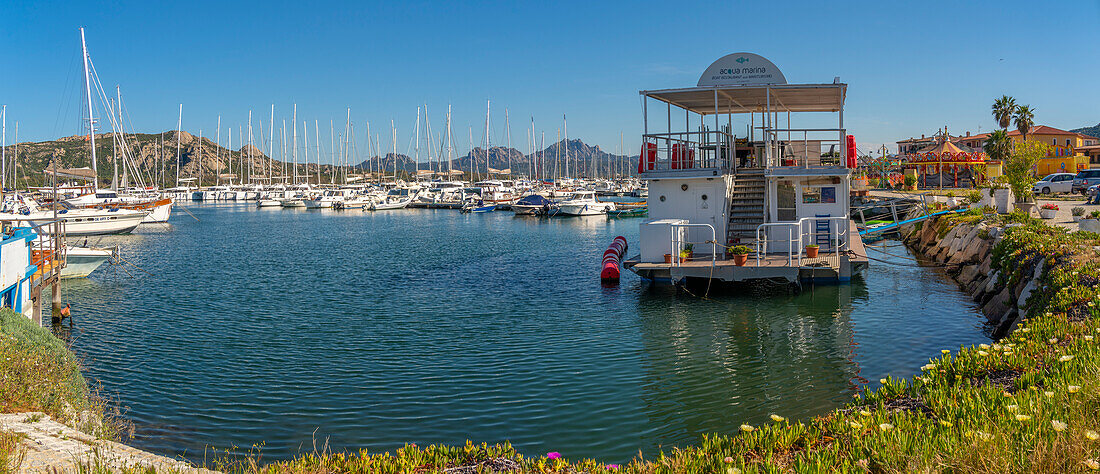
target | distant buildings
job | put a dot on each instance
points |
(1069, 150)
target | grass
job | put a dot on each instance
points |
(1026, 403)
(38, 373)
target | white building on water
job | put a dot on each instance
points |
(744, 158)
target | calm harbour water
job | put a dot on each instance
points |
(293, 328)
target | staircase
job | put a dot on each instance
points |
(746, 206)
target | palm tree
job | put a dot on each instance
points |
(1025, 119)
(1003, 109)
(998, 146)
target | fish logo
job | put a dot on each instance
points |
(742, 60)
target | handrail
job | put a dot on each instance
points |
(676, 242)
(839, 236)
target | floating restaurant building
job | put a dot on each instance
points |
(778, 188)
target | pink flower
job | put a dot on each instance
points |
(611, 466)
(553, 455)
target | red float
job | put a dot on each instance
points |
(611, 259)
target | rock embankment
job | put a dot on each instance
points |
(966, 252)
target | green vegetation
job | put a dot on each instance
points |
(1019, 168)
(1003, 109)
(39, 373)
(1024, 119)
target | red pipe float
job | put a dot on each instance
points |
(611, 259)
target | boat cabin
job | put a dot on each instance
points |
(746, 158)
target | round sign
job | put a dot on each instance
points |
(741, 69)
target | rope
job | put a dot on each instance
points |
(135, 266)
(188, 212)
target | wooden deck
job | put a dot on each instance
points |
(828, 266)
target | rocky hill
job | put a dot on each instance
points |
(1093, 131)
(583, 160)
(155, 159)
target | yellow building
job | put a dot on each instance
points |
(1067, 149)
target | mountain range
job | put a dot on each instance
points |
(155, 157)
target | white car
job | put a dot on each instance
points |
(1054, 183)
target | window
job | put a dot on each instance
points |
(1054, 141)
(785, 201)
(1067, 142)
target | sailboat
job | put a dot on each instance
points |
(156, 209)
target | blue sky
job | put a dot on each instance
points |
(912, 67)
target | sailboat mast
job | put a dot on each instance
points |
(416, 161)
(450, 142)
(487, 172)
(317, 142)
(271, 145)
(91, 117)
(565, 125)
(294, 145)
(394, 130)
(218, 154)
(179, 138)
(508, 139)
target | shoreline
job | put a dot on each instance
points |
(994, 259)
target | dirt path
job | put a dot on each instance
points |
(49, 446)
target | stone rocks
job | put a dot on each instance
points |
(967, 250)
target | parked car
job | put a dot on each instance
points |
(1054, 183)
(1083, 180)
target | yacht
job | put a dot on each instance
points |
(584, 203)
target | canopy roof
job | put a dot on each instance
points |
(72, 173)
(946, 146)
(745, 99)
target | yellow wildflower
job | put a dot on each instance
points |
(983, 353)
(1049, 394)
(1092, 435)
(733, 470)
(1011, 408)
(946, 351)
(882, 381)
(1023, 417)
(865, 413)
(1065, 358)
(1091, 463)
(1058, 425)
(1073, 388)
(855, 425)
(746, 428)
(946, 424)
(886, 427)
(983, 346)
(777, 418)
(1088, 337)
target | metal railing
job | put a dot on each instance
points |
(687, 150)
(798, 237)
(677, 244)
(804, 147)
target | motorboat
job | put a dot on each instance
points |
(532, 205)
(584, 203)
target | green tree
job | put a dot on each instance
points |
(1025, 119)
(1019, 168)
(998, 146)
(1003, 110)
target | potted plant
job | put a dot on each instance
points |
(668, 258)
(910, 182)
(1090, 223)
(740, 254)
(811, 250)
(688, 252)
(1048, 210)
(1078, 213)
